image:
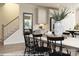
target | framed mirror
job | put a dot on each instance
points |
(27, 21)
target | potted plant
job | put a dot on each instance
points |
(58, 16)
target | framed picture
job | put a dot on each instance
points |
(27, 20)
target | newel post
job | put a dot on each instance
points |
(3, 34)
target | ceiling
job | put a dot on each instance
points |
(58, 5)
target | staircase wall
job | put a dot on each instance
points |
(15, 38)
(8, 12)
(18, 37)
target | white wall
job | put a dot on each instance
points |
(69, 22)
(42, 16)
(17, 37)
(77, 16)
(8, 12)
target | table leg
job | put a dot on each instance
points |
(54, 49)
(61, 48)
(72, 33)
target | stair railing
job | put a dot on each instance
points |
(9, 28)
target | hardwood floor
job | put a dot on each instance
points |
(18, 50)
(12, 48)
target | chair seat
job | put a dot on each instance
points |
(66, 33)
(58, 54)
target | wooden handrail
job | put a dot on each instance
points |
(11, 21)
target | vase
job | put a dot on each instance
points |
(58, 28)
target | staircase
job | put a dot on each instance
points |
(9, 28)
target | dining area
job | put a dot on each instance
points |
(47, 46)
(49, 41)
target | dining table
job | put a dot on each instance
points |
(72, 32)
(72, 42)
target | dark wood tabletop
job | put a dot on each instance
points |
(72, 32)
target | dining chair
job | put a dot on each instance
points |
(27, 40)
(52, 41)
(40, 48)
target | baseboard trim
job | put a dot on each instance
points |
(13, 43)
